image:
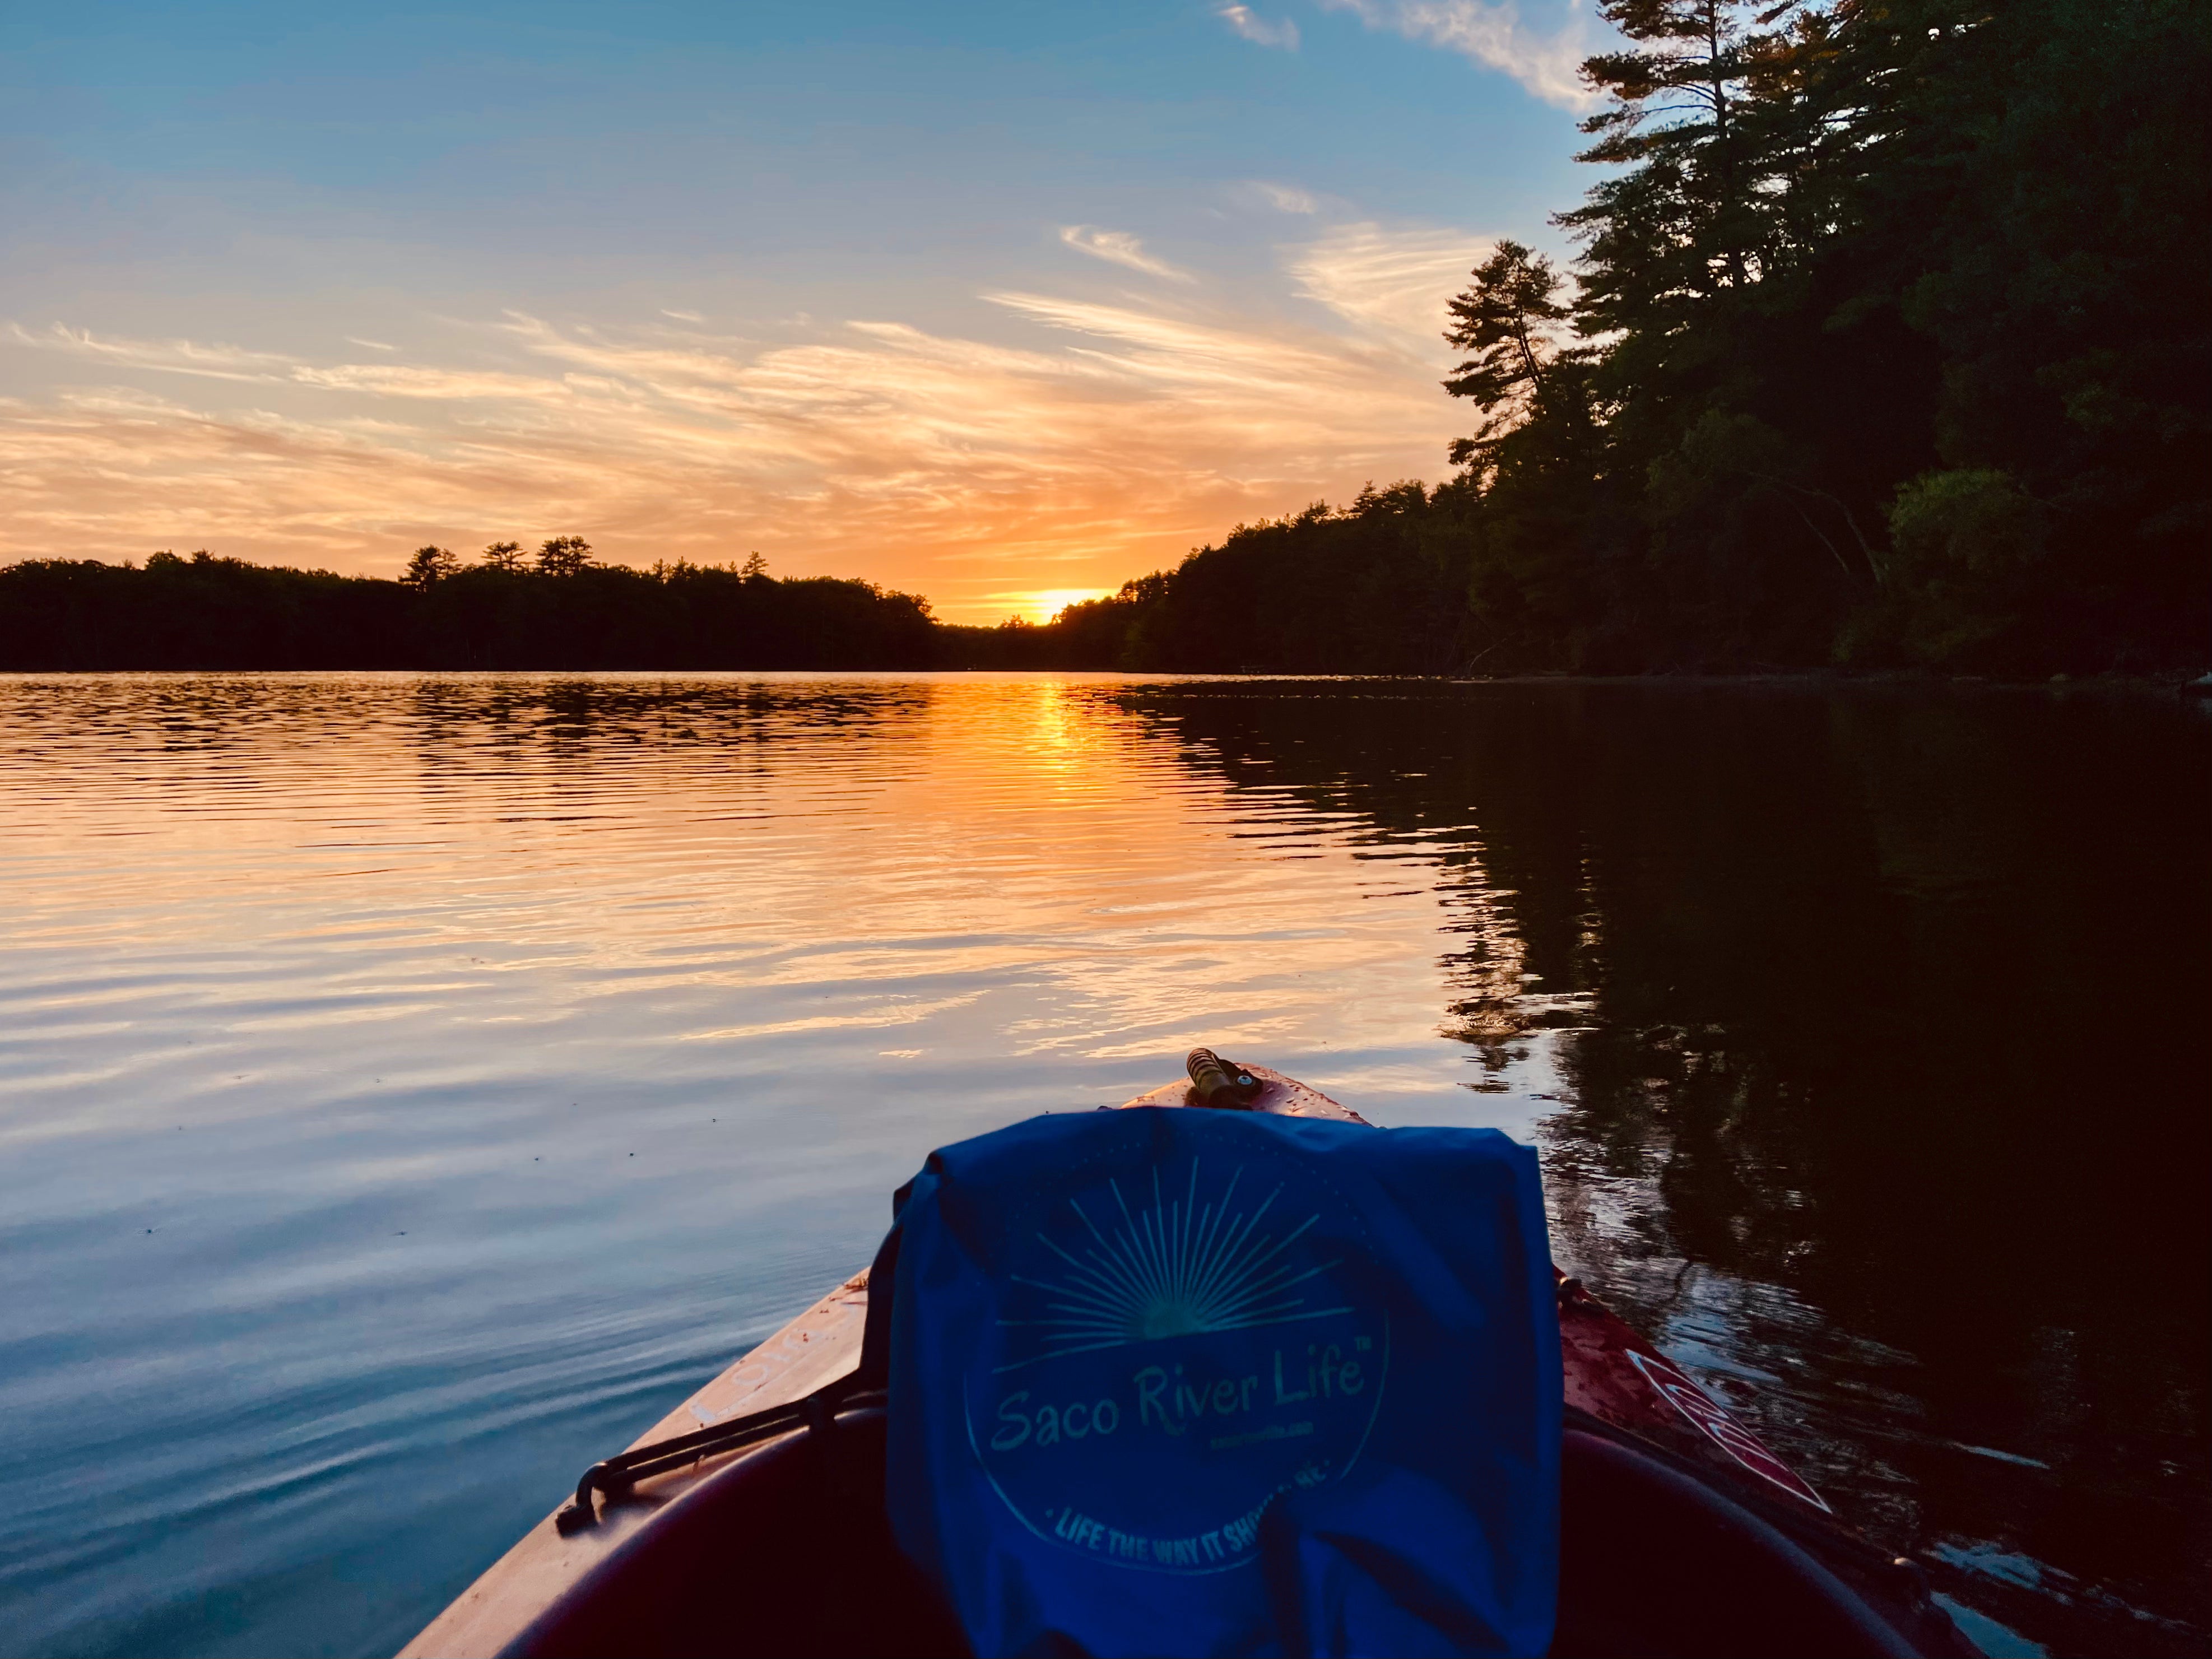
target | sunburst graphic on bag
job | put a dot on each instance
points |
(1177, 1268)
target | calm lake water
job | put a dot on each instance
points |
(412, 1086)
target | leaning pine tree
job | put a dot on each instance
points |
(1507, 321)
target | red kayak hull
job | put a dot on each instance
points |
(1682, 1532)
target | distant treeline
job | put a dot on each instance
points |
(561, 610)
(1380, 587)
(1890, 345)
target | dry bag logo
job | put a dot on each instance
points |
(1179, 1350)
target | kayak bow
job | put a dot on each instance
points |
(750, 1520)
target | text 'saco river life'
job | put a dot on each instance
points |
(1182, 1263)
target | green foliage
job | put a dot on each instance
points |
(1850, 266)
(1683, 222)
(1969, 545)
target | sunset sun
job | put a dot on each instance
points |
(1043, 603)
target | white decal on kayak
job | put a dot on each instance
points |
(1713, 1420)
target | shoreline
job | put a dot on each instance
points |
(2172, 683)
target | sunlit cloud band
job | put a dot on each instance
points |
(1092, 437)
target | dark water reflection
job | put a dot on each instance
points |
(411, 1086)
(1878, 1026)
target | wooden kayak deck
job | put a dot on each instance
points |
(820, 1345)
(1612, 1373)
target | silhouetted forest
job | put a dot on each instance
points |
(561, 610)
(1887, 347)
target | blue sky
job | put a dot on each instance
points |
(989, 302)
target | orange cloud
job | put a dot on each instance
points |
(1094, 438)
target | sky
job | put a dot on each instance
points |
(1001, 304)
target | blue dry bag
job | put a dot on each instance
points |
(1177, 1381)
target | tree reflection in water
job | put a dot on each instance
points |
(1875, 1022)
(1861, 1030)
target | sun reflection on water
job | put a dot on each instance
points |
(392, 1063)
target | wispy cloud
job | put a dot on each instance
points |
(1396, 282)
(1250, 26)
(1083, 441)
(228, 363)
(373, 345)
(1286, 198)
(683, 316)
(395, 381)
(1119, 247)
(213, 363)
(1491, 33)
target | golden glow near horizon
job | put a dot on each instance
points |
(1046, 603)
(829, 286)
(1072, 440)
(937, 863)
